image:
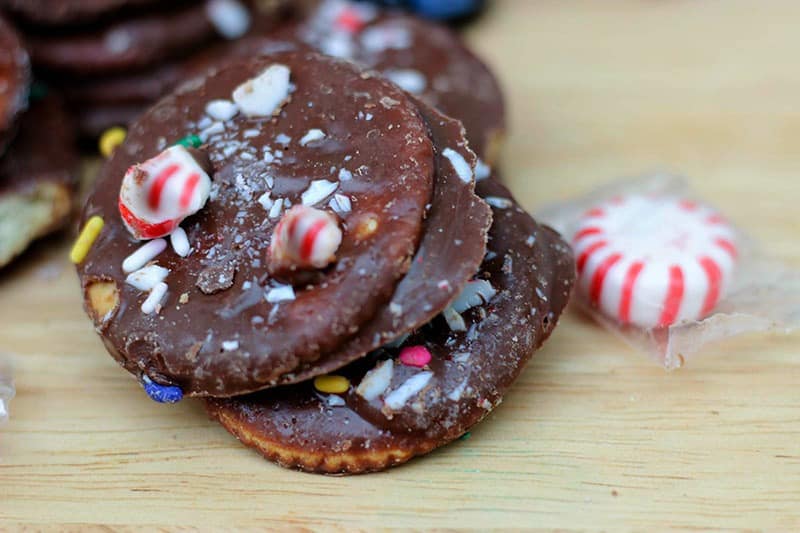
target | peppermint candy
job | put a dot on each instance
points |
(304, 238)
(157, 195)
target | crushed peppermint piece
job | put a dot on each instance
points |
(531, 240)
(335, 401)
(146, 253)
(249, 134)
(305, 237)
(395, 308)
(265, 94)
(412, 386)
(340, 204)
(265, 201)
(476, 292)
(147, 277)
(283, 139)
(345, 175)
(461, 357)
(460, 164)
(456, 393)
(498, 202)
(152, 303)
(180, 242)
(409, 80)
(376, 381)
(417, 356)
(454, 319)
(222, 110)
(270, 181)
(230, 346)
(482, 170)
(214, 129)
(312, 135)
(282, 293)
(317, 191)
(229, 17)
(275, 210)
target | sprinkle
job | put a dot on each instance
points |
(223, 110)
(482, 170)
(110, 139)
(161, 393)
(340, 204)
(146, 253)
(465, 436)
(332, 384)
(191, 141)
(318, 191)
(311, 136)
(417, 356)
(265, 201)
(283, 139)
(376, 381)
(86, 239)
(454, 320)
(148, 277)
(229, 17)
(409, 80)
(335, 401)
(265, 94)
(345, 175)
(230, 346)
(498, 203)
(284, 293)
(412, 386)
(275, 210)
(476, 292)
(460, 164)
(180, 242)
(153, 300)
(215, 128)
(456, 393)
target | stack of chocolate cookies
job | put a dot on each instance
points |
(112, 59)
(38, 155)
(319, 248)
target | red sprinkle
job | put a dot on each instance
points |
(418, 356)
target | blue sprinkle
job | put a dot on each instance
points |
(161, 393)
(438, 9)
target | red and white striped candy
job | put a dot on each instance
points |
(158, 194)
(304, 238)
(653, 261)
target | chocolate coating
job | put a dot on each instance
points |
(125, 44)
(15, 75)
(59, 12)
(225, 338)
(532, 270)
(425, 58)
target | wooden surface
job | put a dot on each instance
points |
(594, 436)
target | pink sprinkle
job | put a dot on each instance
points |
(418, 356)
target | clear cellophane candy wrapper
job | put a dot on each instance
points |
(6, 387)
(761, 295)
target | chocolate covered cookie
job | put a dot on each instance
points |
(65, 12)
(430, 387)
(37, 178)
(424, 58)
(304, 202)
(15, 73)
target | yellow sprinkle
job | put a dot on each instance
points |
(110, 139)
(331, 384)
(85, 240)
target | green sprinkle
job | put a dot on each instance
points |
(190, 141)
(465, 436)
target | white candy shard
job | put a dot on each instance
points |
(482, 170)
(264, 95)
(454, 319)
(265, 201)
(282, 293)
(153, 301)
(340, 204)
(146, 253)
(412, 386)
(317, 191)
(312, 136)
(376, 381)
(460, 164)
(148, 277)
(476, 292)
(223, 110)
(230, 346)
(335, 401)
(498, 202)
(409, 80)
(229, 17)
(180, 242)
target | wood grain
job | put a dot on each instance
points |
(594, 436)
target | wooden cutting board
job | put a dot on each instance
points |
(594, 436)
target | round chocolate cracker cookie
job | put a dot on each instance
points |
(15, 76)
(128, 43)
(432, 386)
(424, 58)
(37, 178)
(247, 298)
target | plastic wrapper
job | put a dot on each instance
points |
(6, 388)
(711, 297)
